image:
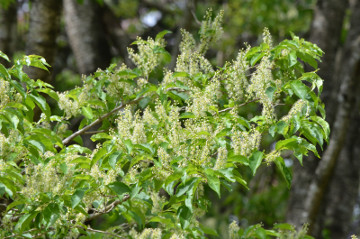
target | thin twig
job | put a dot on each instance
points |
(95, 132)
(14, 235)
(108, 208)
(99, 120)
(177, 89)
(103, 232)
(243, 104)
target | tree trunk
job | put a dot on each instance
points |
(43, 30)
(326, 35)
(86, 34)
(329, 200)
(7, 31)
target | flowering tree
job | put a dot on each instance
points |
(160, 140)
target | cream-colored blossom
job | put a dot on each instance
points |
(233, 230)
(221, 158)
(244, 142)
(295, 109)
(146, 59)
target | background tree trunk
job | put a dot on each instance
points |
(44, 27)
(324, 194)
(86, 34)
(8, 31)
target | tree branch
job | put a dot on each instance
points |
(243, 104)
(107, 209)
(99, 120)
(346, 102)
(100, 231)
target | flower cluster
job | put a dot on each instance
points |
(147, 57)
(295, 109)
(191, 60)
(119, 87)
(236, 81)
(244, 142)
(210, 30)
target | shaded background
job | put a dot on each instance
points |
(79, 36)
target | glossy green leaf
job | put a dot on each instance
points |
(119, 188)
(213, 180)
(25, 220)
(301, 90)
(161, 35)
(4, 73)
(324, 125)
(184, 215)
(41, 102)
(270, 92)
(87, 112)
(286, 144)
(255, 161)
(50, 214)
(285, 172)
(4, 56)
(187, 115)
(292, 58)
(77, 197)
(114, 157)
(181, 74)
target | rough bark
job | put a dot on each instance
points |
(44, 28)
(7, 31)
(325, 31)
(335, 171)
(343, 192)
(85, 30)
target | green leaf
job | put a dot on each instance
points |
(312, 132)
(119, 188)
(184, 215)
(256, 57)
(286, 144)
(285, 172)
(38, 144)
(161, 34)
(77, 197)
(98, 155)
(270, 92)
(100, 136)
(187, 115)
(255, 161)
(4, 73)
(16, 203)
(8, 186)
(181, 74)
(239, 159)
(209, 231)
(87, 112)
(50, 214)
(300, 89)
(114, 157)
(36, 61)
(308, 59)
(187, 186)
(25, 221)
(144, 102)
(41, 102)
(324, 125)
(213, 180)
(4, 56)
(50, 93)
(128, 74)
(292, 58)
